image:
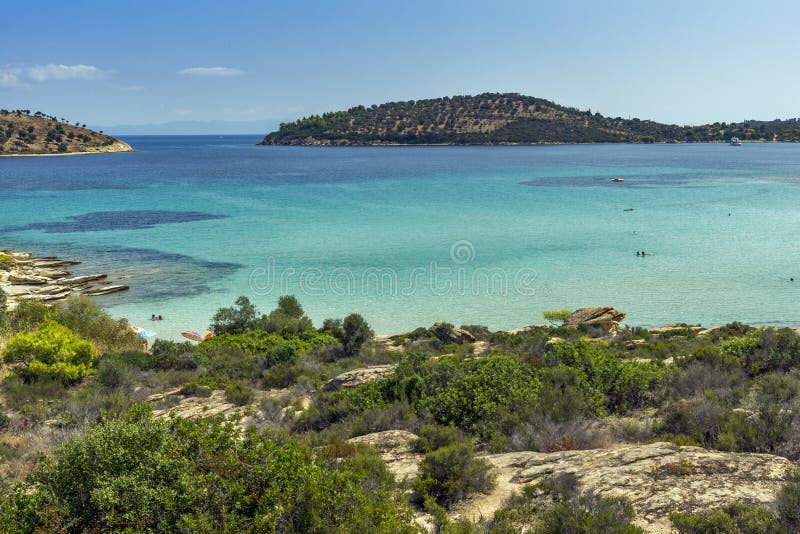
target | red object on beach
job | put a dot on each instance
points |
(191, 334)
(209, 335)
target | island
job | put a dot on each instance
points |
(505, 119)
(23, 133)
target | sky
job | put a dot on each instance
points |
(256, 63)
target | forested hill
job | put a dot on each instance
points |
(23, 132)
(508, 118)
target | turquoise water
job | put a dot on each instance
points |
(408, 236)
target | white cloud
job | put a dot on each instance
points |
(9, 78)
(211, 71)
(14, 76)
(44, 73)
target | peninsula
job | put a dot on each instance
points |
(23, 133)
(505, 118)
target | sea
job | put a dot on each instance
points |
(407, 236)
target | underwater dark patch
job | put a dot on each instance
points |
(115, 220)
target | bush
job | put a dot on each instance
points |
(282, 375)
(194, 388)
(28, 315)
(433, 437)
(452, 473)
(140, 474)
(238, 394)
(52, 352)
(5, 421)
(479, 332)
(556, 317)
(788, 502)
(590, 514)
(732, 519)
(88, 321)
(236, 319)
(353, 332)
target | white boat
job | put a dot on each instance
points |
(735, 141)
(617, 180)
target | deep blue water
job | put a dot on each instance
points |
(411, 235)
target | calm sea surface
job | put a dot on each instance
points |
(408, 236)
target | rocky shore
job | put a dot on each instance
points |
(47, 279)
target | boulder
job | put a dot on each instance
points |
(603, 316)
(356, 377)
(451, 334)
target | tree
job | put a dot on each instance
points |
(52, 352)
(355, 331)
(235, 319)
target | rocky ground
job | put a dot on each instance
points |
(658, 478)
(46, 279)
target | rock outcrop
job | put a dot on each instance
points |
(451, 334)
(23, 276)
(605, 317)
(363, 375)
(658, 478)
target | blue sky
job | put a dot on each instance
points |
(107, 63)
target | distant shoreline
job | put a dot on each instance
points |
(543, 143)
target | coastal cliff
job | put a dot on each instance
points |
(37, 134)
(504, 118)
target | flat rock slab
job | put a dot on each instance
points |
(658, 478)
(356, 377)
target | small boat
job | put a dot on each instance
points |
(628, 209)
(617, 179)
(735, 141)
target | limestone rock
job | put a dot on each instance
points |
(448, 334)
(603, 316)
(395, 449)
(658, 478)
(104, 290)
(356, 377)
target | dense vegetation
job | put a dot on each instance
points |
(507, 118)
(87, 442)
(23, 132)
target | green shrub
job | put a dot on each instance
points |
(556, 317)
(238, 394)
(282, 375)
(28, 315)
(788, 502)
(52, 352)
(590, 514)
(236, 319)
(432, 437)
(452, 473)
(480, 332)
(194, 388)
(88, 321)
(5, 421)
(139, 474)
(353, 332)
(735, 518)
